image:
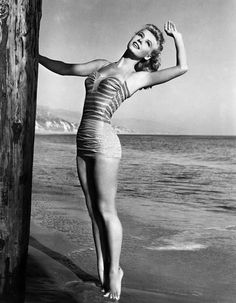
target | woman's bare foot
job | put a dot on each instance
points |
(104, 280)
(100, 275)
(115, 284)
(105, 287)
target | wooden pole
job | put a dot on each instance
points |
(19, 31)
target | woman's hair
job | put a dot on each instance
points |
(152, 64)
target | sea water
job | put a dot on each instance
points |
(187, 183)
(196, 171)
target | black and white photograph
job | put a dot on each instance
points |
(118, 151)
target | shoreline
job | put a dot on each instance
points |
(143, 134)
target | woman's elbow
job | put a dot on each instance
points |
(183, 69)
(61, 68)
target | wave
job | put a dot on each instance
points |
(179, 246)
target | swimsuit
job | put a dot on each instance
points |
(95, 134)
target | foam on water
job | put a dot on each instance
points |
(226, 229)
(179, 246)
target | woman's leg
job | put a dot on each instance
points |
(85, 167)
(105, 179)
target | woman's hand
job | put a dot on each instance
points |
(170, 29)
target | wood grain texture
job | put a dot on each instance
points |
(19, 31)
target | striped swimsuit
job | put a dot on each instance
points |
(95, 134)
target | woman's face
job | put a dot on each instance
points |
(142, 44)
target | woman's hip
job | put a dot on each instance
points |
(97, 137)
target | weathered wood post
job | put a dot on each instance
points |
(19, 31)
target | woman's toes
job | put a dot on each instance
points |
(107, 294)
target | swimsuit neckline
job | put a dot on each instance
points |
(98, 75)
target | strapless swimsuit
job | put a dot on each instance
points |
(95, 134)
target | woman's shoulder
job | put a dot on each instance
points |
(101, 63)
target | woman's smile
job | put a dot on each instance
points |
(136, 45)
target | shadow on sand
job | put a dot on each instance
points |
(53, 278)
(41, 287)
(63, 260)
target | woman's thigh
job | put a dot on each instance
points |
(85, 168)
(105, 179)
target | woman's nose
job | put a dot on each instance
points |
(140, 40)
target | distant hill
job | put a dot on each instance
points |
(47, 121)
(62, 121)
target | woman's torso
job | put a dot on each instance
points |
(95, 135)
(104, 95)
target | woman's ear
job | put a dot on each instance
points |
(147, 57)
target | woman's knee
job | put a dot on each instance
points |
(107, 209)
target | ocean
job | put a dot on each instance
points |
(190, 178)
(192, 171)
(177, 202)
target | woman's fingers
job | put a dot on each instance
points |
(173, 27)
(169, 27)
(165, 26)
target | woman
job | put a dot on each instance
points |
(98, 147)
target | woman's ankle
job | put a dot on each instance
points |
(115, 270)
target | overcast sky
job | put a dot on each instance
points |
(203, 101)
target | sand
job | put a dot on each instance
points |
(52, 277)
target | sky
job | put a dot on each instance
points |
(202, 101)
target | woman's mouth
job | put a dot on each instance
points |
(136, 45)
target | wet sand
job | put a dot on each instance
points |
(53, 277)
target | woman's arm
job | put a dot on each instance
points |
(66, 69)
(146, 79)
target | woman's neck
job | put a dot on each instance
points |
(127, 62)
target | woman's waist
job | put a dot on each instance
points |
(97, 121)
(93, 126)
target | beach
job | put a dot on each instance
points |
(172, 252)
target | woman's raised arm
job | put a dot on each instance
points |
(146, 79)
(67, 69)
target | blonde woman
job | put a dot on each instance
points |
(108, 84)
